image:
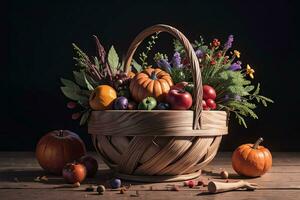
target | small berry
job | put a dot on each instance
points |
(115, 183)
(76, 116)
(191, 184)
(71, 105)
(213, 62)
(215, 43)
(219, 54)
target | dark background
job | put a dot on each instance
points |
(36, 51)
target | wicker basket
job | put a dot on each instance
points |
(159, 145)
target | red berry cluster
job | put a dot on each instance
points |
(209, 96)
(215, 43)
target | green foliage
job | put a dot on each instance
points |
(144, 55)
(113, 60)
(136, 66)
(234, 91)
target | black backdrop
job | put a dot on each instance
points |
(36, 51)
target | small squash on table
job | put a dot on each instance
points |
(252, 160)
(151, 83)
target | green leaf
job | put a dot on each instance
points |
(256, 92)
(85, 116)
(97, 64)
(113, 59)
(69, 83)
(266, 99)
(136, 66)
(79, 79)
(74, 94)
(88, 85)
(249, 88)
(241, 120)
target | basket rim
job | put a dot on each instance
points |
(155, 111)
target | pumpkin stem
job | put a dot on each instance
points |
(260, 140)
(61, 133)
(153, 76)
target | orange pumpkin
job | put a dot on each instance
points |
(150, 82)
(102, 97)
(251, 159)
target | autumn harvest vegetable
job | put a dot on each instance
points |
(57, 148)
(151, 82)
(252, 159)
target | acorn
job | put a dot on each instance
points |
(224, 174)
(101, 189)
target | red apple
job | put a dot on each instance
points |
(211, 104)
(209, 92)
(90, 164)
(179, 99)
(204, 105)
(74, 172)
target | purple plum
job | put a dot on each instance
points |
(121, 103)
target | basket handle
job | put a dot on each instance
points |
(196, 72)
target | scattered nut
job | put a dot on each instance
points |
(224, 174)
(122, 191)
(200, 182)
(101, 189)
(37, 179)
(203, 183)
(77, 184)
(44, 178)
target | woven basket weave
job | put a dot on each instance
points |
(159, 145)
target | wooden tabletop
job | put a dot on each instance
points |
(19, 169)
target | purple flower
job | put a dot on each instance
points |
(176, 60)
(199, 53)
(237, 97)
(164, 64)
(226, 97)
(236, 66)
(228, 44)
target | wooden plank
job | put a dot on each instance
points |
(284, 178)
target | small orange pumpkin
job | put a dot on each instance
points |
(102, 97)
(251, 159)
(150, 82)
